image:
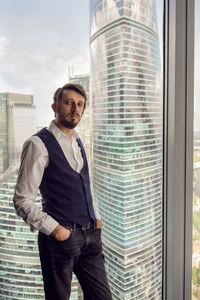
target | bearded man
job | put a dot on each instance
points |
(69, 225)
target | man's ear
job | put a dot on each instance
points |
(53, 106)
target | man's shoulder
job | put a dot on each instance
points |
(34, 141)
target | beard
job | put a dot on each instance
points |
(65, 123)
(68, 124)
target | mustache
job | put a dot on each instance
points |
(73, 114)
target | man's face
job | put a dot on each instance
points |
(70, 109)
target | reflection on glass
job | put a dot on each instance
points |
(126, 94)
(196, 170)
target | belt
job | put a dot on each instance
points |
(74, 226)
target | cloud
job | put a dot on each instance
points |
(3, 43)
(40, 72)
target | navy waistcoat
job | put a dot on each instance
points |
(66, 193)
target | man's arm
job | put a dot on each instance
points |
(33, 162)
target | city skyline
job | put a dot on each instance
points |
(35, 55)
(32, 66)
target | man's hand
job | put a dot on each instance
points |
(98, 224)
(60, 233)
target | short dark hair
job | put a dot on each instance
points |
(69, 86)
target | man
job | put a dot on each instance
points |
(69, 225)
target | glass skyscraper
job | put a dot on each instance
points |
(126, 95)
(20, 273)
(84, 127)
(3, 133)
(17, 123)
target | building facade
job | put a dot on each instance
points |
(84, 128)
(126, 100)
(20, 273)
(3, 133)
(17, 123)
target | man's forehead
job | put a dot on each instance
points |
(70, 94)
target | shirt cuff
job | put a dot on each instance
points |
(48, 225)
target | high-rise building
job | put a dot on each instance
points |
(20, 273)
(127, 143)
(17, 123)
(84, 128)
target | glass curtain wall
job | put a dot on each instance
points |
(127, 100)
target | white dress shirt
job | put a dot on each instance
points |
(34, 160)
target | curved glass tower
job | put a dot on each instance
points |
(126, 94)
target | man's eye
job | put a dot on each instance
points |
(80, 104)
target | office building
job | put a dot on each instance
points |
(20, 271)
(126, 100)
(17, 123)
(84, 128)
(20, 274)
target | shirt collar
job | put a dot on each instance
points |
(59, 134)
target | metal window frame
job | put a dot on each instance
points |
(178, 149)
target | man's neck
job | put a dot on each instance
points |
(65, 130)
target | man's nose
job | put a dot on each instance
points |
(74, 106)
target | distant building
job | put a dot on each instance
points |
(17, 123)
(83, 79)
(1, 158)
(20, 271)
(84, 128)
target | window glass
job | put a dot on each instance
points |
(126, 80)
(196, 170)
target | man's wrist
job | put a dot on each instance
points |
(55, 230)
(98, 223)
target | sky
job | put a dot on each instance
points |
(39, 40)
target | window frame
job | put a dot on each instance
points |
(178, 148)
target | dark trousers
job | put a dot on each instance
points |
(82, 254)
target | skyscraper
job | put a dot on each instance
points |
(84, 128)
(17, 123)
(20, 273)
(127, 142)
